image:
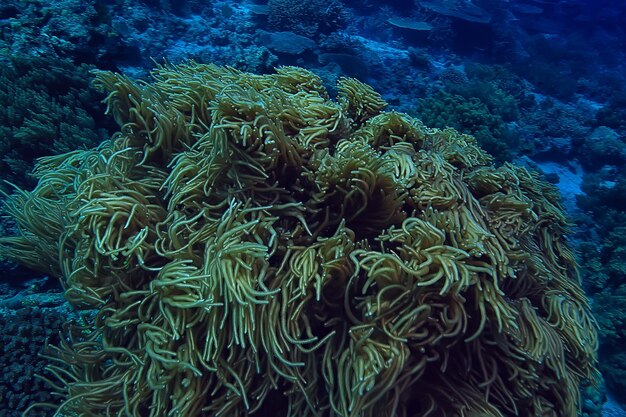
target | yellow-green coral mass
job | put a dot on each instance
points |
(254, 248)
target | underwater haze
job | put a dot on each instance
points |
(320, 208)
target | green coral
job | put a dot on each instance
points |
(472, 116)
(603, 265)
(482, 101)
(254, 248)
(306, 17)
(613, 114)
(503, 92)
(609, 307)
(48, 110)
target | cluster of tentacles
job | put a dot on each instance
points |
(253, 247)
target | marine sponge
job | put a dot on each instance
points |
(255, 248)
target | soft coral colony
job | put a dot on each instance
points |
(253, 247)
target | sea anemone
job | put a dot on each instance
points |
(252, 247)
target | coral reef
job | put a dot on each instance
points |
(306, 17)
(79, 30)
(603, 147)
(483, 101)
(603, 263)
(469, 115)
(29, 319)
(252, 246)
(48, 109)
(613, 114)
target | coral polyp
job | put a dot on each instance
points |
(253, 247)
